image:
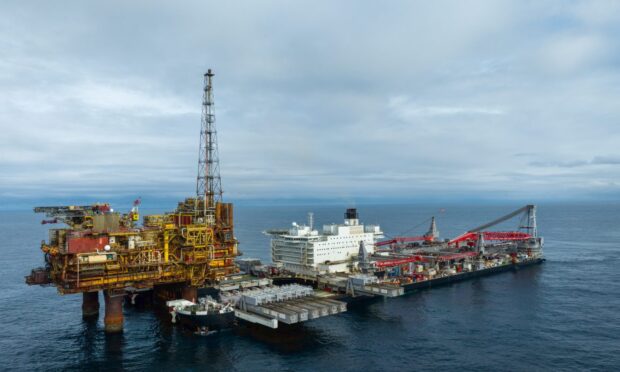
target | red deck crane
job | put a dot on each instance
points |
(529, 217)
(491, 235)
(399, 261)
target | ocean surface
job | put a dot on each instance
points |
(561, 315)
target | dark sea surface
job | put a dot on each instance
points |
(561, 315)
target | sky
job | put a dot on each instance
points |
(340, 100)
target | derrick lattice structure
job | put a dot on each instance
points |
(208, 182)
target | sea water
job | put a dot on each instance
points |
(561, 315)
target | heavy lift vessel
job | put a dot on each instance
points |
(172, 253)
(400, 264)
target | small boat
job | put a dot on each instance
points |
(205, 317)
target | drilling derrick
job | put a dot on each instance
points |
(173, 253)
(208, 182)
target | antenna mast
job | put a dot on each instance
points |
(208, 182)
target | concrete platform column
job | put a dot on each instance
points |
(189, 293)
(90, 304)
(113, 319)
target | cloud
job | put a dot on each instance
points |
(595, 13)
(560, 164)
(606, 160)
(597, 160)
(312, 98)
(128, 100)
(405, 109)
(574, 52)
(99, 96)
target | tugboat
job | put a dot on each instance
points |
(205, 317)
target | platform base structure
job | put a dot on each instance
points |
(113, 319)
(90, 304)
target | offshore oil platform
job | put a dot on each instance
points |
(173, 253)
(187, 258)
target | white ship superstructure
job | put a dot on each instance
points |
(304, 250)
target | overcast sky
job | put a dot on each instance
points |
(345, 100)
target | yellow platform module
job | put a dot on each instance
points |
(184, 246)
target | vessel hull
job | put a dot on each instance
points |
(213, 322)
(469, 275)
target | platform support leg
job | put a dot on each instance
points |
(113, 320)
(90, 304)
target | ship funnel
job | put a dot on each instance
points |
(351, 217)
(351, 214)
